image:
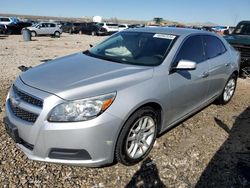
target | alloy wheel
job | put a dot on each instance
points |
(140, 137)
(229, 90)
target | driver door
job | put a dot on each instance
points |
(189, 88)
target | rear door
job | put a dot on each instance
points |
(188, 87)
(51, 28)
(219, 63)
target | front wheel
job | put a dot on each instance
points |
(33, 34)
(228, 90)
(137, 136)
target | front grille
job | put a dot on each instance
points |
(27, 98)
(23, 114)
(244, 51)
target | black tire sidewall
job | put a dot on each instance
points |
(121, 154)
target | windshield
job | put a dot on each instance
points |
(242, 29)
(100, 24)
(137, 48)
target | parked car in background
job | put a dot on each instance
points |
(3, 29)
(240, 40)
(109, 103)
(220, 29)
(71, 28)
(110, 27)
(8, 20)
(92, 29)
(16, 28)
(136, 25)
(207, 28)
(122, 27)
(45, 28)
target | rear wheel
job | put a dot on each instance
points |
(57, 34)
(228, 90)
(137, 136)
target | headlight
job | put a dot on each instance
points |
(81, 110)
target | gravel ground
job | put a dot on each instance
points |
(207, 150)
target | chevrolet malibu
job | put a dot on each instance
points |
(110, 103)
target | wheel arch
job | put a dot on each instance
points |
(153, 104)
(236, 73)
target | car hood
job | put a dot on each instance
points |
(238, 39)
(78, 75)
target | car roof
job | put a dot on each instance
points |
(170, 30)
(244, 22)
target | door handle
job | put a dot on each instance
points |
(204, 75)
(227, 64)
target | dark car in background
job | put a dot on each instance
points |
(2, 29)
(71, 28)
(240, 40)
(16, 28)
(92, 29)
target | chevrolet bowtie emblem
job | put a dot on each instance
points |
(15, 100)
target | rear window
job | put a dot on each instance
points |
(112, 25)
(51, 25)
(213, 46)
(76, 24)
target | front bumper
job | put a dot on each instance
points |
(93, 140)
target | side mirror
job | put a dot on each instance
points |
(185, 65)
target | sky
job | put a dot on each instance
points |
(221, 12)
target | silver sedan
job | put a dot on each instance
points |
(109, 103)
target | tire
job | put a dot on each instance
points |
(57, 34)
(93, 33)
(8, 32)
(33, 33)
(228, 91)
(135, 142)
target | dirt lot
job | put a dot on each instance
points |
(207, 150)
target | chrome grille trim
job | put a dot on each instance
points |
(27, 97)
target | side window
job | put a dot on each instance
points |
(213, 46)
(43, 25)
(52, 25)
(4, 19)
(192, 50)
